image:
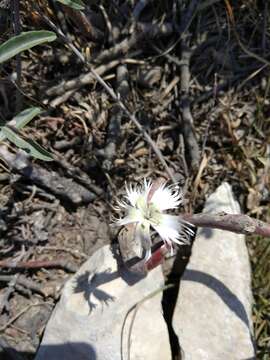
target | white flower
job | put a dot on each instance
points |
(146, 206)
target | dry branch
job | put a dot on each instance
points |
(115, 97)
(62, 187)
(187, 118)
(146, 31)
(12, 280)
(38, 264)
(238, 223)
(82, 80)
(114, 127)
(25, 282)
(143, 32)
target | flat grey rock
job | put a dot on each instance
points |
(212, 317)
(92, 319)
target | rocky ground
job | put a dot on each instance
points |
(195, 76)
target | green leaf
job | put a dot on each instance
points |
(75, 4)
(24, 41)
(23, 118)
(38, 151)
(28, 145)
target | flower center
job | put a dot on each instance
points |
(148, 211)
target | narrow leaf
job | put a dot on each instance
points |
(38, 151)
(23, 118)
(2, 136)
(24, 41)
(28, 145)
(75, 4)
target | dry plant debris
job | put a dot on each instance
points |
(194, 74)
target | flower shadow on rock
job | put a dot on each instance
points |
(89, 282)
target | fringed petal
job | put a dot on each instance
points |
(166, 197)
(169, 229)
(133, 215)
(133, 194)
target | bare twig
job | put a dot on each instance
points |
(74, 252)
(23, 281)
(143, 31)
(79, 175)
(108, 24)
(76, 83)
(115, 97)
(184, 63)
(5, 296)
(242, 46)
(38, 264)
(60, 186)
(187, 118)
(24, 310)
(115, 119)
(238, 223)
(107, 56)
(60, 99)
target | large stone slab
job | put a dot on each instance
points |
(92, 320)
(213, 313)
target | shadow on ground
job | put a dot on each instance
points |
(55, 352)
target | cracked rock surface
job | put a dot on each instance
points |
(212, 317)
(92, 319)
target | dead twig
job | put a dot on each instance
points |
(115, 97)
(23, 281)
(66, 88)
(242, 46)
(114, 127)
(38, 264)
(76, 83)
(74, 252)
(143, 32)
(187, 118)
(13, 281)
(62, 187)
(79, 176)
(238, 223)
(14, 318)
(184, 63)
(5, 296)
